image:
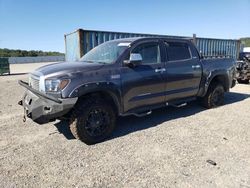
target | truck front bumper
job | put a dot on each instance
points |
(43, 108)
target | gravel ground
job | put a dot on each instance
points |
(169, 148)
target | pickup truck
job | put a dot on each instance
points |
(130, 76)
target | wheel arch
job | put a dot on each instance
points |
(221, 79)
(212, 78)
(107, 91)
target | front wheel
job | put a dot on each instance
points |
(92, 121)
(214, 96)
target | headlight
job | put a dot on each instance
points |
(55, 85)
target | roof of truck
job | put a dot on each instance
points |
(132, 39)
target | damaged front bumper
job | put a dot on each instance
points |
(43, 108)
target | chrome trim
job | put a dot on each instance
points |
(173, 61)
(42, 84)
(38, 75)
(160, 70)
(34, 81)
(196, 66)
(144, 94)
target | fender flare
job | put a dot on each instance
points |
(210, 77)
(106, 87)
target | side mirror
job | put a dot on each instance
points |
(134, 60)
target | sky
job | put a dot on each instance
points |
(41, 24)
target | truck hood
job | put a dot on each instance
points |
(67, 67)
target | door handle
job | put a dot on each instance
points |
(160, 70)
(196, 66)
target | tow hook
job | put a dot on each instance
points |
(24, 116)
(20, 102)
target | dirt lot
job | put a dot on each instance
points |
(169, 148)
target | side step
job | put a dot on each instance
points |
(177, 105)
(180, 103)
(146, 113)
(143, 113)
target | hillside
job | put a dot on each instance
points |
(4, 52)
(246, 41)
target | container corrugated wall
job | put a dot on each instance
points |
(218, 47)
(4, 65)
(81, 41)
(72, 46)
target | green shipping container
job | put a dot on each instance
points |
(4, 65)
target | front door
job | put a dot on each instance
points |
(144, 85)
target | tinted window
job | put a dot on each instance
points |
(150, 52)
(177, 51)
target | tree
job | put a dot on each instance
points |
(4, 52)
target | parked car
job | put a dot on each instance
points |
(243, 68)
(123, 77)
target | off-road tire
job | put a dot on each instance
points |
(214, 96)
(79, 119)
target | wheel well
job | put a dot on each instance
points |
(222, 80)
(102, 95)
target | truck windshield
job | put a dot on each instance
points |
(106, 53)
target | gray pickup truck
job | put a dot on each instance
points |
(124, 77)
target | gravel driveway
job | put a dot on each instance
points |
(169, 148)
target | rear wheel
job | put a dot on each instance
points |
(214, 96)
(92, 120)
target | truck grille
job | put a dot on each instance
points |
(34, 83)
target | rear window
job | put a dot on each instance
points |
(177, 51)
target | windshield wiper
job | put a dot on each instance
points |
(87, 61)
(102, 62)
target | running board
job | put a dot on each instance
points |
(177, 105)
(143, 114)
(139, 114)
(180, 103)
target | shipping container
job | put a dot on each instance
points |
(81, 41)
(4, 65)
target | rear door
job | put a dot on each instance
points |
(184, 70)
(144, 85)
